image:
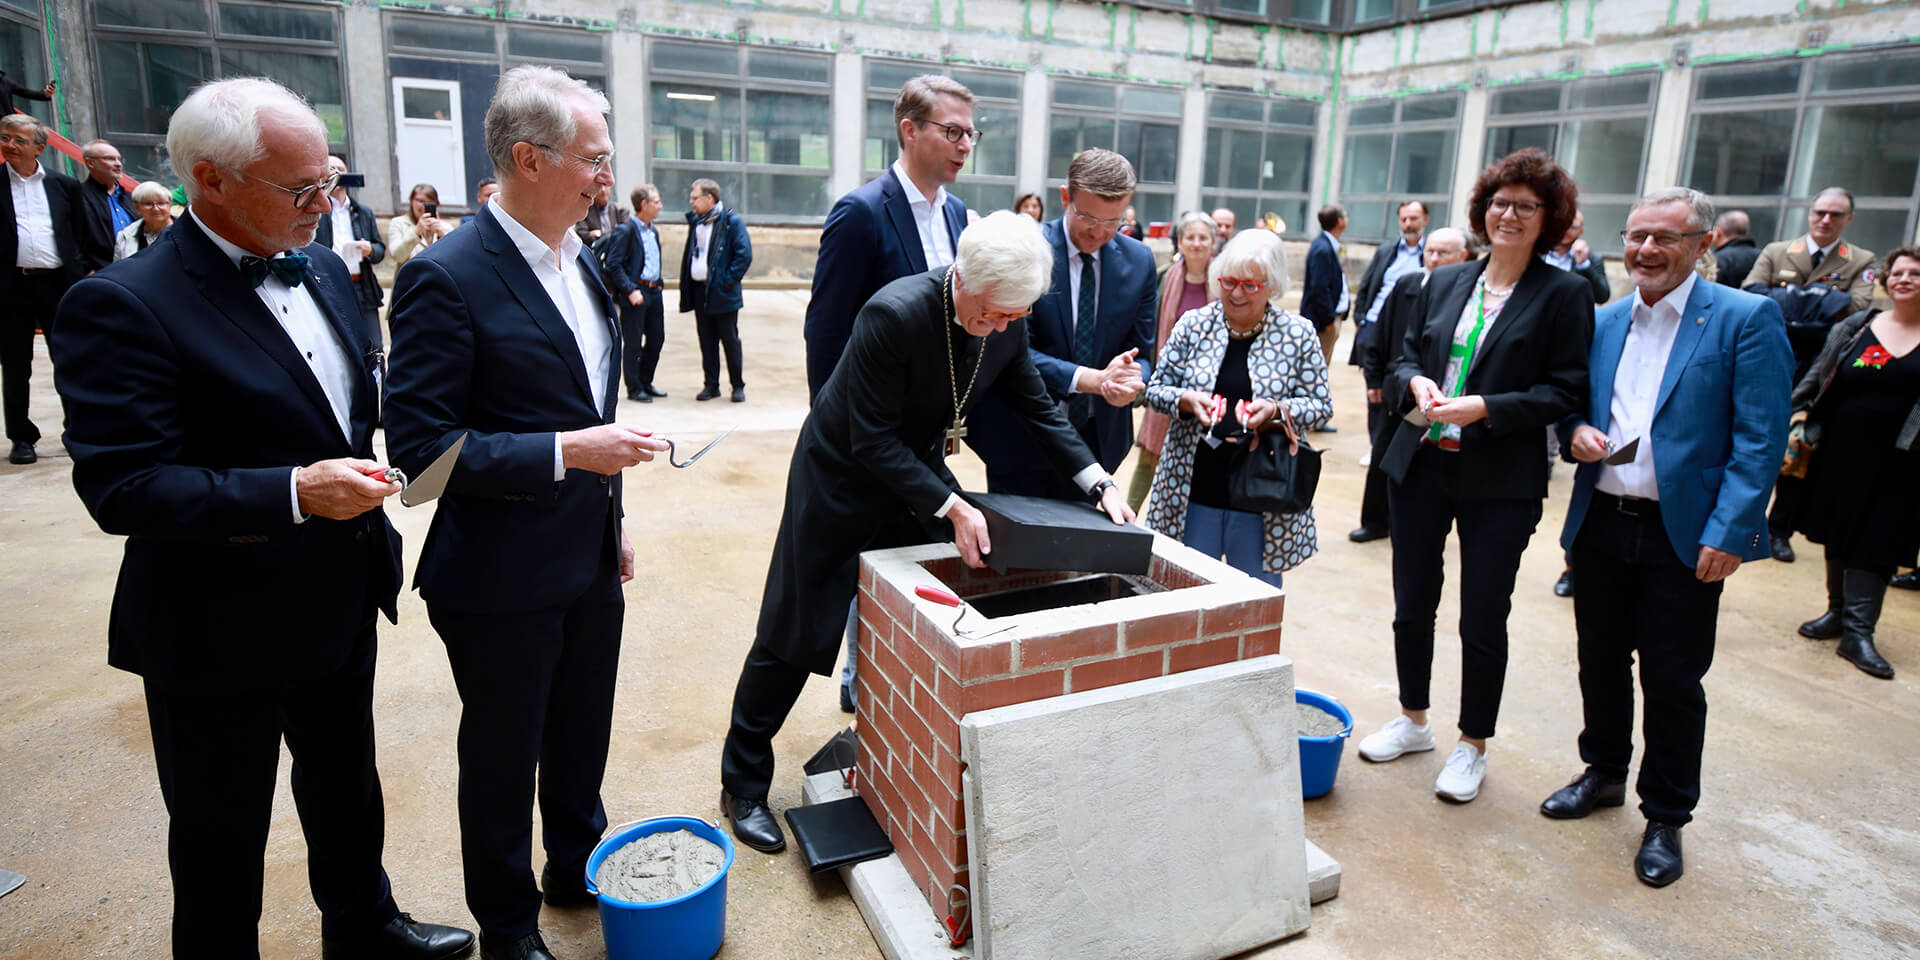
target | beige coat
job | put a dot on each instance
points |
(1848, 268)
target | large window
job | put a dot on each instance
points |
(1396, 151)
(23, 52)
(1596, 128)
(1766, 138)
(752, 119)
(152, 53)
(1260, 158)
(987, 183)
(1140, 123)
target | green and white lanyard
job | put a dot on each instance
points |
(1463, 352)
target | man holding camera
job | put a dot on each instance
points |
(349, 232)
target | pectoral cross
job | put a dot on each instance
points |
(953, 435)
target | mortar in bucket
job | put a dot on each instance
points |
(687, 927)
(1320, 756)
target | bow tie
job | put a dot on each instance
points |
(291, 269)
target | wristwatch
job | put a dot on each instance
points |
(1099, 489)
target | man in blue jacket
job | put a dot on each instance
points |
(1678, 450)
(712, 265)
(1324, 298)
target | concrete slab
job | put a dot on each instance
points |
(1160, 818)
(1323, 875)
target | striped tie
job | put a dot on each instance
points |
(1081, 409)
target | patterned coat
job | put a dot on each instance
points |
(1285, 364)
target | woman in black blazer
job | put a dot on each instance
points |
(1500, 353)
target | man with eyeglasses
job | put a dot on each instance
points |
(712, 265)
(219, 410)
(349, 231)
(109, 204)
(1091, 336)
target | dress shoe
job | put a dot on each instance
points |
(22, 453)
(707, 394)
(1658, 863)
(1563, 587)
(1782, 549)
(1864, 593)
(529, 947)
(655, 392)
(565, 888)
(753, 823)
(739, 394)
(401, 939)
(1577, 799)
(1906, 581)
(1367, 534)
(641, 396)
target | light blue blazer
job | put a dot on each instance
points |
(1719, 421)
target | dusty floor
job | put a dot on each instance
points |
(1806, 843)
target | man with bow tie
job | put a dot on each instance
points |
(220, 398)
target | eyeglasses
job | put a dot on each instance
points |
(1113, 224)
(955, 134)
(1661, 241)
(1829, 214)
(599, 163)
(1524, 209)
(154, 204)
(14, 141)
(1230, 284)
(303, 197)
(997, 316)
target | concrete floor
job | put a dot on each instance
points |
(1805, 845)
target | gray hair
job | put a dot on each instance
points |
(1699, 217)
(535, 105)
(35, 128)
(1261, 250)
(1005, 259)
(1734, 223)
(1455, 234)
(1194, 218)
(219, 122)
(151, 190)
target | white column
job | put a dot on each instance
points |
(1466, 154)
(1193, 150)
(1667, 134)
(849, 124)
(369, 106)
(1034, 106)
(1323, 181)
(627, 88)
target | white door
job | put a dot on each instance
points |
(427, 138)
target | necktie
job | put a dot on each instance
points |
(290, 268)
(1081, 409)
(1818, 255)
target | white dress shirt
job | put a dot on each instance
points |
(1346, 292)
(1636, 388)
(33, 220)
(928, 219)
(344, 243)
(702, 244)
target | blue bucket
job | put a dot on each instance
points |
(1320, 756)
(687, 927)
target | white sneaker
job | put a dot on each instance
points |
(1396, 738)
(1460, 778)
(1366, 457)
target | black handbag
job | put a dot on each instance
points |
(1274, 473)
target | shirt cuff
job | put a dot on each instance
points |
(952, 498)
(1077, 371)
(1085, 479)
(559, 464)
(293, 495)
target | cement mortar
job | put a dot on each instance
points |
(1315, 722)
(659, 866)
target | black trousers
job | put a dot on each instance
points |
(1637, 597)
(536, 694)
(1493, 534)
(718, 332)
(643, 331)
(766, 693)
(217, 757)
(1786, 505)
(1373, 498)
(33, 299)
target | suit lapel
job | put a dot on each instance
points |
(1451, 300)
(1693, 326)
(525, 287)
(1609, 340)
(1056, 233)
(956, 222)
(335, 306)
(1524, 293)
(610, 321)
(900, 215)
(1801, 260)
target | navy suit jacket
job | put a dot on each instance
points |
(1320, 290)
(1719, 420)
(1129, 293)
(869, 241)
(627, 257)
(729, 254)
(81, 246)
(188, 407)
(480, 350)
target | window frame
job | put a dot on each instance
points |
(1265, 127)
(1395, 129)
(30, 22)
(1606, 242)
(1118, 114)
(871, 95)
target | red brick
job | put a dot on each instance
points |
(920, 697)
(899, 606)
(1261, 643)
(1096, 641)
(1148, 632)
(916, 868)
(890, 801)
(947, 767)
(919, 805)
(889, 735)
(929, 853)
(866, 575)
(947, 841)
(870, 686)
(1203, 653)
(1106, 673)
(1243, 616)
(947, 570)
(889, 666)
(918, 735)
(946, 730)
(986, 659)
(1020, 689)
(912, 652)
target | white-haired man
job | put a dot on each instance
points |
(505, 334)
(220, 403)
(869, 472)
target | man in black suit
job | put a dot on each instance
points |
(46, 243)
(1390, 262)
(219, 408)
(633, 273)
(503, 333)
(1734, 250)
(869, 472)
(110, 206)
(348, 230)
(1573, 255)
(1324, 297)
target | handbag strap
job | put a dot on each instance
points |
(1293, 433)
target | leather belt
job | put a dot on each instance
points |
(649, 284)
(1642, 507)
(34, 271)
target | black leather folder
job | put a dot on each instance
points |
(837, 833)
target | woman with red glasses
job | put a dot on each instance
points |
(1228, 370)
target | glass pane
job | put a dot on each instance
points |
(1740, 153)
(1767, 80)
(443, 35)
(990, 83)
(1423, 162)
(1525, 100)
(1288, 164)
(1364, 10)
(785, 197)
(1604, 222)
(1604, 155)
(1877, 230)
(891, 77)
(1304, 113)
(152, 14)
(251, 21)
(1148, 207)
(142, 83)
(1870, 149)
(579, 46)
(1764, 221)
(1366, 163)
(147, 163)
(1629, 91)
(1504, 140)
(1069, 135)
(882, 145)
(676, 184)
(1255, 7)
(1151, 100)
(1312, 11)
(984, 198)
(1152, 148)
(1223, 106)
(24, 5)
(1233, 159)
(22, 52)
(1430, 108)
(1293, 214)
(1438, 4)
(695, 123)
(998, 150)
(1078, 93)
(1244, 208)
(782, 65)
(787, 128)
(418, 103)
(1370, 115)
(1437, 213)
(315, 77)
(1886, 70)
(1366, 220)
(696, 58)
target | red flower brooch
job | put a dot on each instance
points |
(1874, 356)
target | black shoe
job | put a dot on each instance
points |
(1860, 614)
(401, 939)
(1906, 581)
(1823, 627)
(846, 700)
(529, 947)
(565, 888)
(707, 394)
(1658, 863)
(739, 394)
(1577, 799)
(753, 823)
(641, 396)
(657, 393)
(1366, 534)
(1563, 587)
(22, 453)
(1782, 549)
